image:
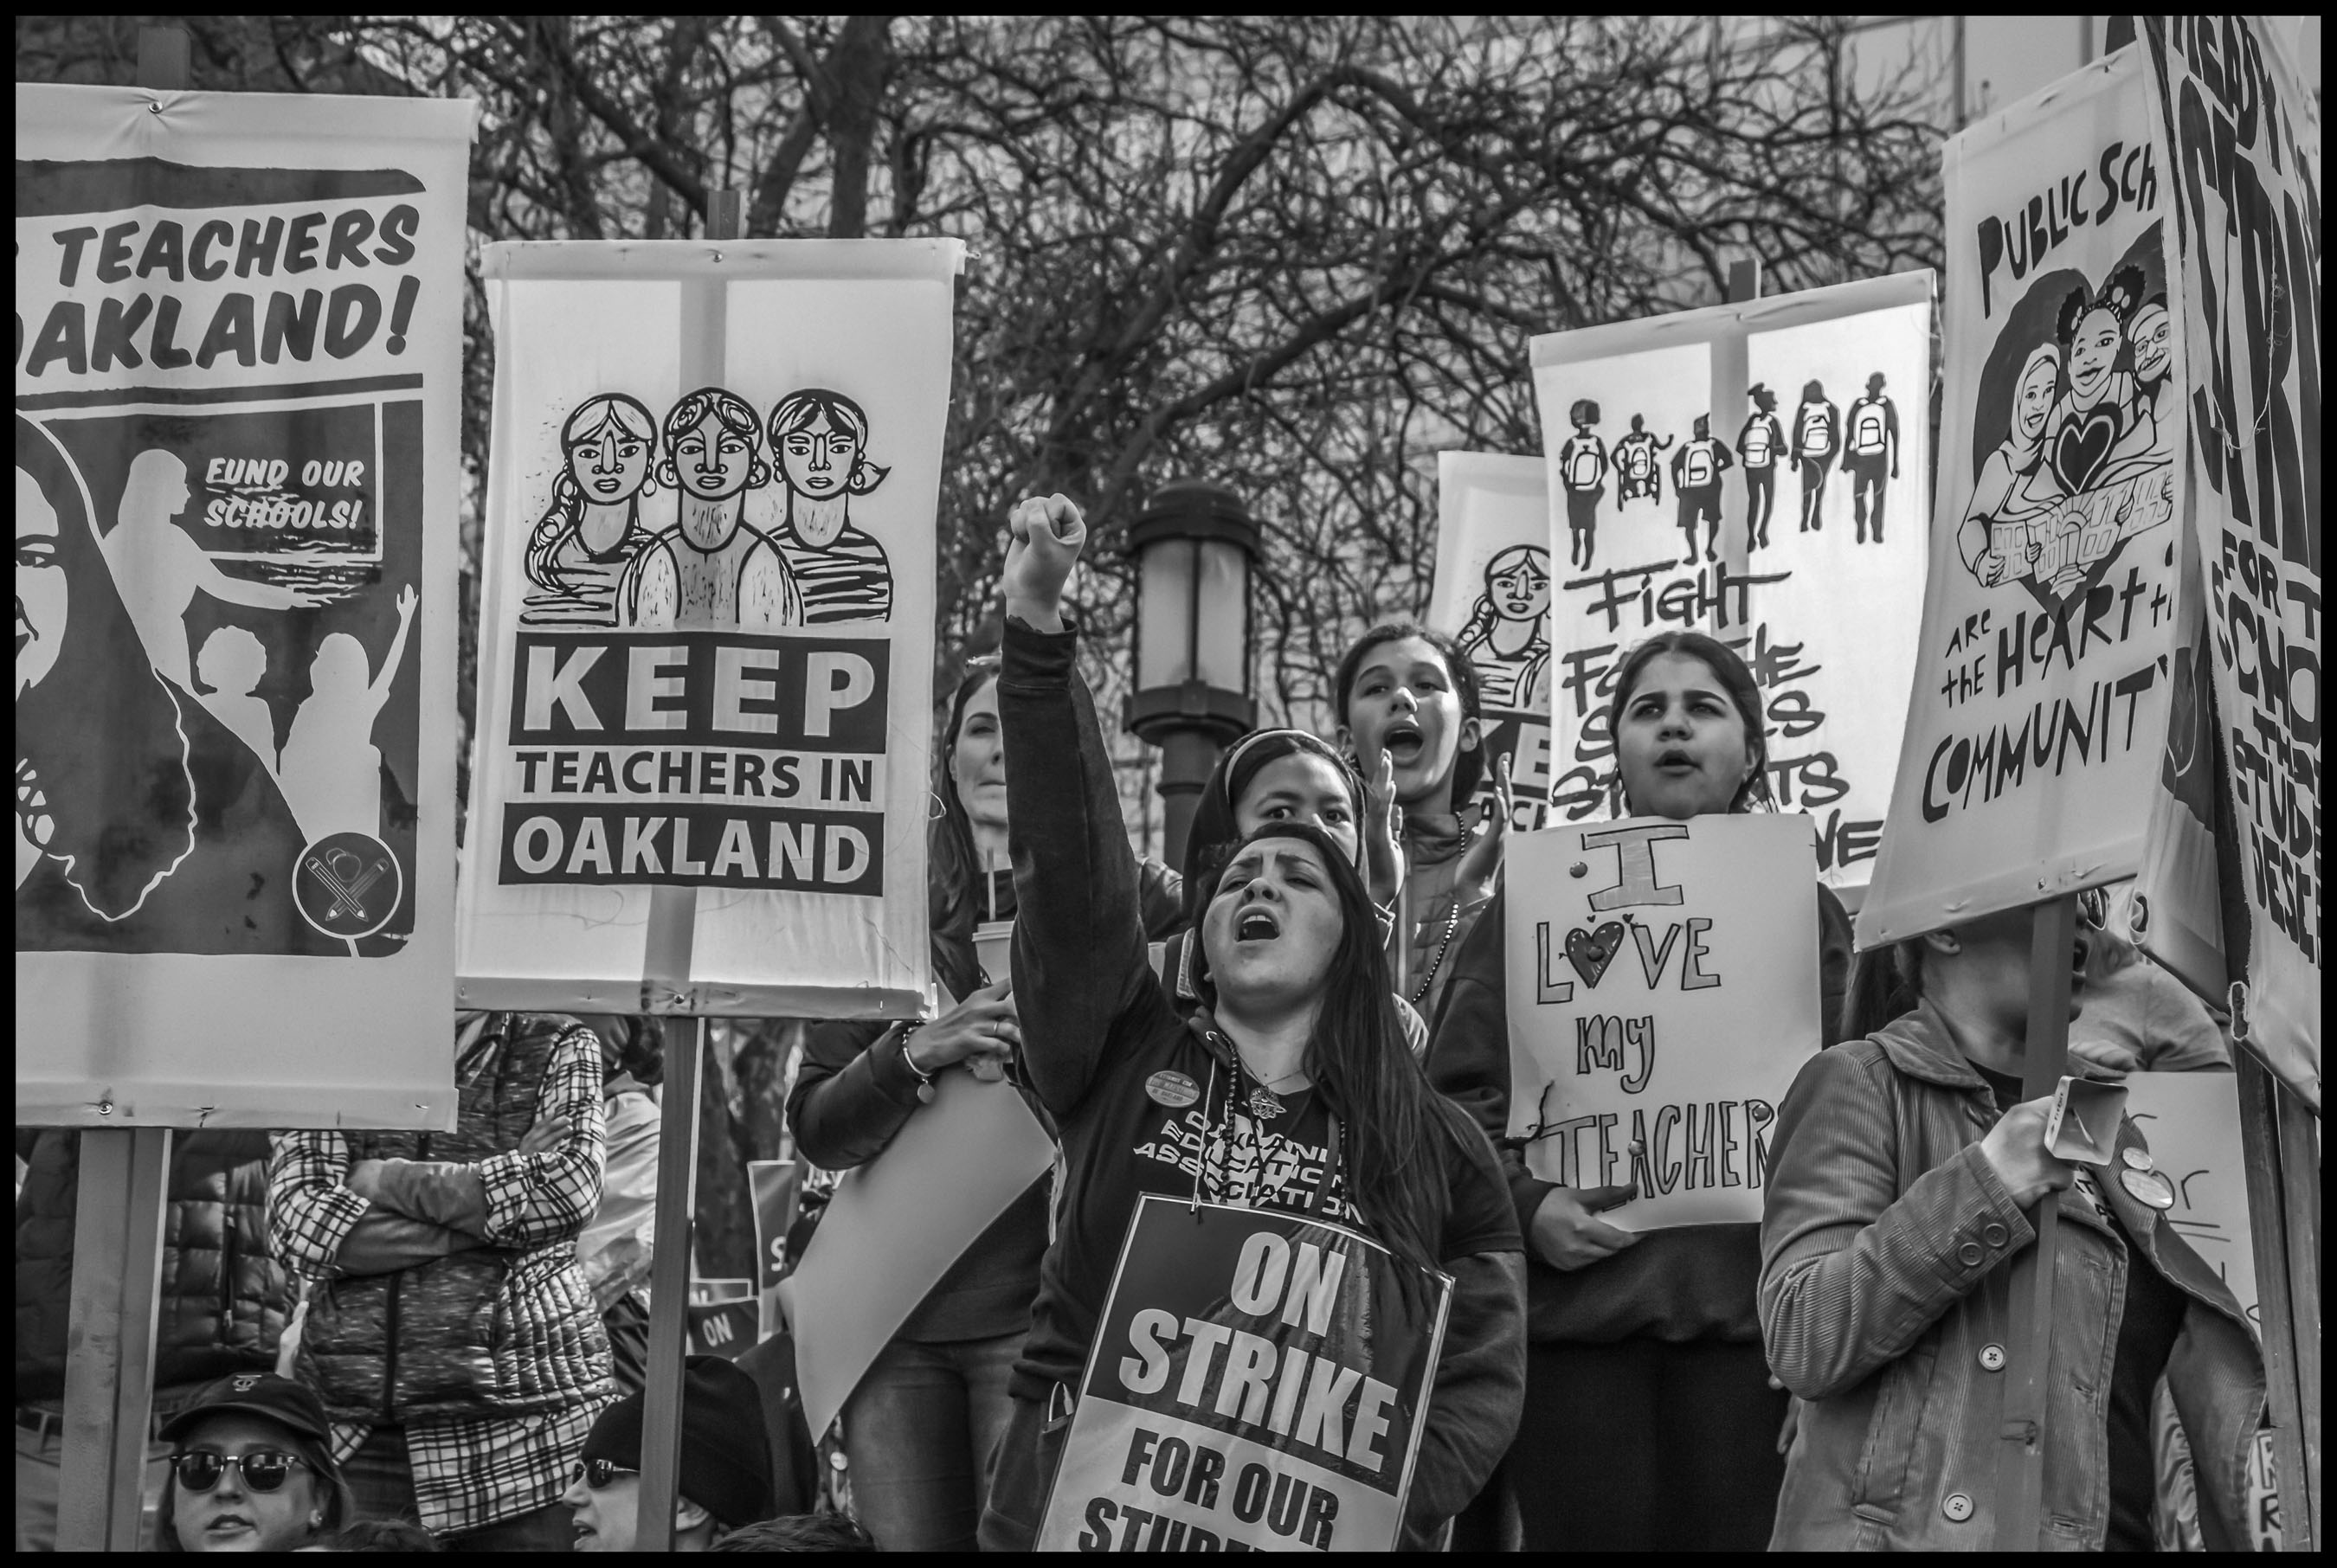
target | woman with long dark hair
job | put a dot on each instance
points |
(1644, 1382)
(1904, 1176)
(1296, 1036)
(920, 1427)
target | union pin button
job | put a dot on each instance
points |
(2149, 1187)
(1172, 1088)
(2137, 1159)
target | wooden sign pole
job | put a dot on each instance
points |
(122, 1188)
(673, 915)
(2020, 1457)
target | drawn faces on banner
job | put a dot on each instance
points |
(2044, 667)
(1493, 591)
(698, 536)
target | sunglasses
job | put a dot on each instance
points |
(263, 1470)
(598, 1474)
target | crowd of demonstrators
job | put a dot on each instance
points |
(922, 1422)
(1904, 1175)
(467, 1356)
(1645, 1377)
(1312, 1104)
(221, 1303)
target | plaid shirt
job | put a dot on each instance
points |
(469, 1474)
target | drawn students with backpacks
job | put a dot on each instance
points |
(1870, 447)
(1638, 474)
(1696, 468)
(1759, 446)
(1582, 466)
(1817, 436)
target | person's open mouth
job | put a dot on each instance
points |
(1404, 741)
(1255, 926)
(1676, 763)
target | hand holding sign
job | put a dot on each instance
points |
(1045, 537)
(1483, 859)
(2014, 1149)
(1567, 1233)
(983, 1028)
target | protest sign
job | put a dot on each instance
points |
(1772, 447)
(706, 635)
(2243, 137)
(724, 1319)
(774, 1186)
(2176, 913)
(1492, 592)
(1662, 991)
(896, 1223)
(2192, 1123)
(238, 400)
(2041, 685)
(1259, 1381)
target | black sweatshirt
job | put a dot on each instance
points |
(1677, 1283)
(1096, 1028)
(854, 1092)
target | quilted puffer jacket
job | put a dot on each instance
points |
(495, 1330)
(222, 1288)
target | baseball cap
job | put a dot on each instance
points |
(726, 1453)
(280, 1399)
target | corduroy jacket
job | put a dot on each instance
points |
(1885, 1310)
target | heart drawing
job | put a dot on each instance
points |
(2081, 446)
(1592, 951)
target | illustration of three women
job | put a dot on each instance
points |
(2086, 460)
(595, 560)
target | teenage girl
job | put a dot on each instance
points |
(1651, 1423)
(920, 1427)
(1302, 1095)
(1408, 709)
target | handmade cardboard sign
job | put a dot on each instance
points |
(238, 389)
(1662, 991)
(1492, 592)
(2245, 131)
(896, 1223)
(1258, 1382)
(2192, 1124)
(1766, 492)
(700, 781)
(2043, 668)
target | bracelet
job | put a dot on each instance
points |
(908, 1031)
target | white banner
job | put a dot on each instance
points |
(238, 384)
(2245, 134)
(2040, 700)
(706, 638)
(1492, 591)
(1662, 991)
(1753, 471)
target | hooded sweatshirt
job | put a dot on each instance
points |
(1100, 1033)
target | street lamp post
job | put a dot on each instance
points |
(1195, 544)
